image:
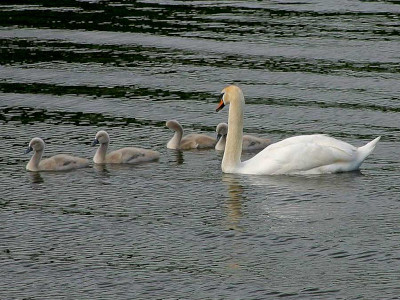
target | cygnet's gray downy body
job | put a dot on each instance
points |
(129, 155)
(60, 162)
(191, 141)
(250, 143)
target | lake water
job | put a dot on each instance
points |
(180, 228)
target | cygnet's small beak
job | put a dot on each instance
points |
(95, 142)
(28, 150)
(219, 136)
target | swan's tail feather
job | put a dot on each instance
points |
(367, 149)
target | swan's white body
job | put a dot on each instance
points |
(307, 154)
(128, 155)
(59, 162)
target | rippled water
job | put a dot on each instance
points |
(179, 228)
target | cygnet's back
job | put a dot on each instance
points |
(128, 155)
(131, 155)
(63, 162)
(252, 143)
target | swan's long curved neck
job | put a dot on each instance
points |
(175, 141)
(35, 160)
(100, 155)
(234, 139)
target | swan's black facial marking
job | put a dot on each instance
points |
(221, 102)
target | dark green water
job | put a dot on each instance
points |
(179, 228)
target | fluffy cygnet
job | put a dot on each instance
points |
(191, 141)
(129, 155)
(60, 162)
(250, 143)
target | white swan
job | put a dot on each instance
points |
(250, 143)
(307, 154)
(130, 155)
(191, 141)
(60, 162)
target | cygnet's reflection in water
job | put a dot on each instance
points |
(103, 172)
(178, 156)
(109, 172)
(101, 169)
(106, 169)
(235, 200)
(35, 177)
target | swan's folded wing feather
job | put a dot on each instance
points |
(298, 155)
(319, 139)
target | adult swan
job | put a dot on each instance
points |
(305, 154)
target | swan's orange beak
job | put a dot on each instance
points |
(220, 106)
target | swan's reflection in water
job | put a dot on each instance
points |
(284, 194)
(301, 186)
(234, 215)
(235, 200)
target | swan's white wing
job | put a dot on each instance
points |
(320, 139)
(299, 154)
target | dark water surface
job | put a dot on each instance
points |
(179, 228)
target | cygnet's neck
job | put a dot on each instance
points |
(220, 146)
(175, 141)
(234, 139)
(33, 164)
(100, 156)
